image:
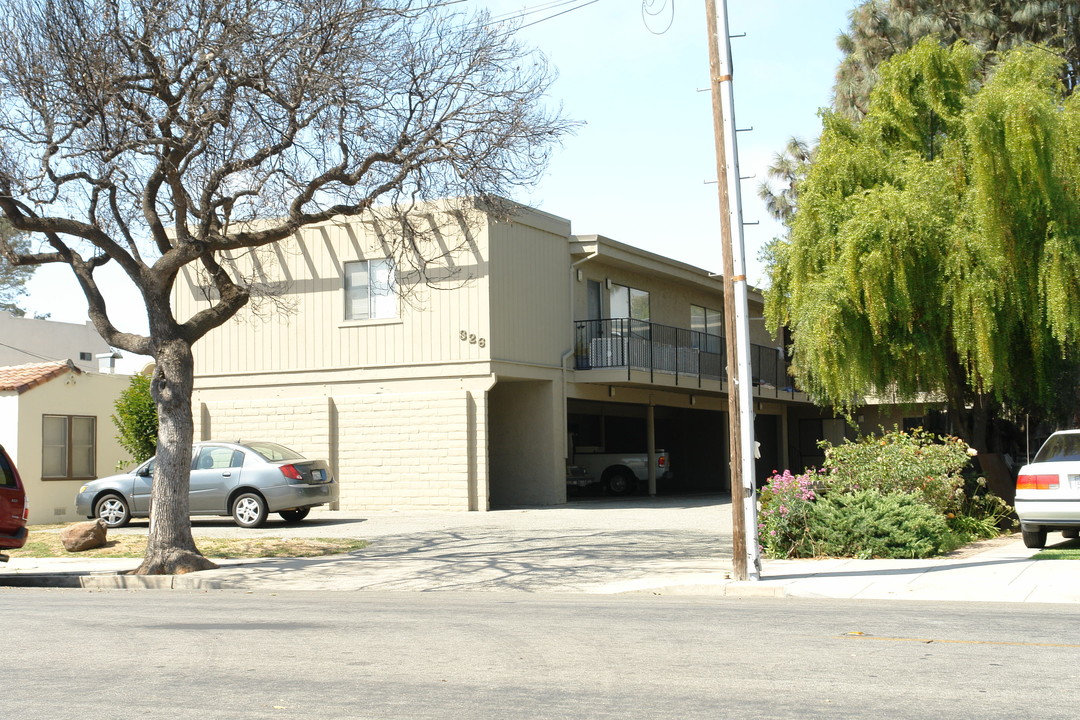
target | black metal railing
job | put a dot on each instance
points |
(642, 345)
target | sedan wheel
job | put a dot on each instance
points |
(113, 511)
(249, 510)
(291, 516)
(1034, 538)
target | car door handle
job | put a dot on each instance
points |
(226, 474)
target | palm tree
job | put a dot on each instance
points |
(780, 189)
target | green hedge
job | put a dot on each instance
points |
(871, 524)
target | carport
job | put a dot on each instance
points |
(695, 439)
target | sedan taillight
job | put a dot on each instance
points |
(290, 472)
(1037, 482)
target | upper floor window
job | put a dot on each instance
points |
(68, 447)
(628, 302)
(708, 327)
(370, 290)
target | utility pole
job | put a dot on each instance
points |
(745, 558)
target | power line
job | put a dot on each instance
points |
(532, 10)
(544, 7)
(647, 11)
(550, 17)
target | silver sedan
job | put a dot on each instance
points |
(248, 481)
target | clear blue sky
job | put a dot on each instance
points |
(637, 170)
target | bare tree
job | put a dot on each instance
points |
(155, 134)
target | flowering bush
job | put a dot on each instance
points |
(897, 495)
(914, 462)
(786, 500)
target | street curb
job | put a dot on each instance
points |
(749, 589)
(111, 581)
(754, 589)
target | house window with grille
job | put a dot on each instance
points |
(370, 290)
(68, 447)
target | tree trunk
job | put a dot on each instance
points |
(170, 547)
(980, 424)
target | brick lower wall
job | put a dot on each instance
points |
(391, 451)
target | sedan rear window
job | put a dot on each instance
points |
(274, 452)
(1060, 448)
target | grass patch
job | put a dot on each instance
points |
(48, 545)
(1062, 551)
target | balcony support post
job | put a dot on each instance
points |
(650, 440)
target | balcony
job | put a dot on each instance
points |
(671, 355)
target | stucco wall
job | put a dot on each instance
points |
(526, 445)
(670, 298)
(86, 394)
(9, 423)
(30, 340)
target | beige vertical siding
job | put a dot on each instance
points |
(304, 328)
(530, 293)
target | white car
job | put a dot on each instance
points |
(1048, 490)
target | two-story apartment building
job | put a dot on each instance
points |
(473, 383)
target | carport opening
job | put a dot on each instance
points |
(695, 440)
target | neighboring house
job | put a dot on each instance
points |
(55, 423)
(525, 344)
(30, 340)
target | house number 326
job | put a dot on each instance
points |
(471, 338)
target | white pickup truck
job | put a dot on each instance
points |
(620, 473)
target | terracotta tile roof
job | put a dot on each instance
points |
(21, 378)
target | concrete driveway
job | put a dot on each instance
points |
(589, 545)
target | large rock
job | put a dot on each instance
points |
(83, 536)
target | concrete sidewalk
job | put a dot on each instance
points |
(660, 546)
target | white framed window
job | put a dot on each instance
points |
(370, 290)
(68, 447)
(628, 302)
(708, 327)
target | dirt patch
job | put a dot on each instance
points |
(47, 545)
(982, 546)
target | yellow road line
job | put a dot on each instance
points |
(861, 636)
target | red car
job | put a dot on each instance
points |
(14, 511)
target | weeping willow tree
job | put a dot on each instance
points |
(879, 29)
(937, 243)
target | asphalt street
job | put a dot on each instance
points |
(119, 654)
